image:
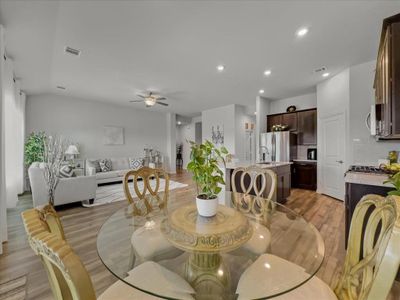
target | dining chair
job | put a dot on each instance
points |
(147, 190)
(257, 187)
(362, 278)
(148, 241)
(68, 278)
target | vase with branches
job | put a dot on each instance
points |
(54, 148)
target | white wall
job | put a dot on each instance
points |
(301, 102)
(82, 122)
(225, 118)
(233, 118)
(241, 143)
(170, 159)
(263, 107)
(363, 148)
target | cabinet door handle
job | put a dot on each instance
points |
(339, 161)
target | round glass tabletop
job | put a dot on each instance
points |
(252, 248)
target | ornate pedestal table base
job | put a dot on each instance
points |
(205, 239)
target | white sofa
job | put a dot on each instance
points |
(68, 190)
(119, 167)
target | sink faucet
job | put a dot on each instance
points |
(262, 158)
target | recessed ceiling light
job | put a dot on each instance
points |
(302, 31)
(220, 68)
(179, 122)
(261, 91)
(325, 74)
(267, 72)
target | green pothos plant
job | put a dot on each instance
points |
(395, 181)
(204, 165)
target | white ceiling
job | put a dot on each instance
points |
(174, 47)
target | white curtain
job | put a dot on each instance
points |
(3, 202)
(12, 137)
(11, 134)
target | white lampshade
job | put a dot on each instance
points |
(72, 150)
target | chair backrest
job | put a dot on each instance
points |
(68, 277)
(147, 190)
(370, 231)
(260, 181)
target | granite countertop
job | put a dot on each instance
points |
(234, 165)
(312, 161)
(367, 178)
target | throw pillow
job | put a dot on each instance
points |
(66, 171)
(135, 163)
(94, 164)
(105, 165)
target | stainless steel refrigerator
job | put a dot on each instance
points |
(280, 146)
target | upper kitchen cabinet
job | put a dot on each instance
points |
(302, 122)
(290, 120)
(387, 80)
(307, 127)
(273, 120)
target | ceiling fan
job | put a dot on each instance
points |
(150, 99)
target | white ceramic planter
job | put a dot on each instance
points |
(207, 207)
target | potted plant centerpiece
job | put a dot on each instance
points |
(204, 160)
(395, 181)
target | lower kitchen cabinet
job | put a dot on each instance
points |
(283, 182)
(304, 175)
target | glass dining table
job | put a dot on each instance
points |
(252, 248)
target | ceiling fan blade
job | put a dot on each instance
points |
(136, 101)
(165, 104)
(141, 96)
(161, 98)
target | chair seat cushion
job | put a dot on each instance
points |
(157, 279)
(122, 291)
(260, 240)
(280, 274)
(148, 241)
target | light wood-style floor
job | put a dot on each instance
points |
(82, 224)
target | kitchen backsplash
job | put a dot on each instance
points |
(302, 151)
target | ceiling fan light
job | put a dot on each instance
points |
(150, 101)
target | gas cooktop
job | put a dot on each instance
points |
(367, 169)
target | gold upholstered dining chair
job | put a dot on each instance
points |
(148, 191)
(257, 187)
(68, 277)
(147, 241)
(373, 226)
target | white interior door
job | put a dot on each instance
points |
(332, 156)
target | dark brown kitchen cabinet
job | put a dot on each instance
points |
(307, 127)
(387, 80)
(304, 175)
(273, 120)
(290, 120)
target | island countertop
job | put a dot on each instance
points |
(264, 165)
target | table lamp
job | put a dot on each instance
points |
(72, 150)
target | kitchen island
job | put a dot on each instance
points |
(282, 169)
